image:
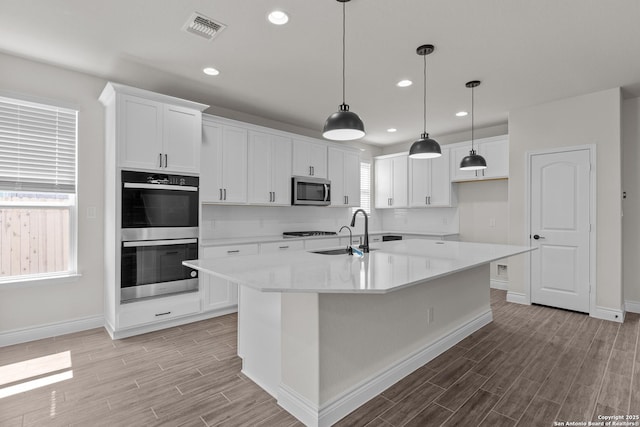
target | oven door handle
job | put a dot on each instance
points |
(326, 192)
(160, 186)
(137, 243)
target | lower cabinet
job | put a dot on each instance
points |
(219, 293)
(158, 309)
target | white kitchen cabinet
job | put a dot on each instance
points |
(218, 293)
(344, 174)
(429, 182)
(158, 309)
(495, 151)
(223, 172)
(283, 246)
(269, 169)
(391, 186)
(309, 158)
(156, 136)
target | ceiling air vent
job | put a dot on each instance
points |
(202, 26)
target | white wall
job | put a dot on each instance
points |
(589, 119)
(631, 205)
(41, 305)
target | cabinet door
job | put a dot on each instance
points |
(457, 154)
(210, 159)
(140, 127)
(182, 138)
(440, 194)
(352, 178)
(318, 160)
(260, 168)
(400, 196)
(281, 173)
(336, 175)
(496, 153)
(419, 182)
(309, 159)
(218, 293)
(383, 183)
(234, 164)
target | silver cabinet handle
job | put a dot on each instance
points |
(225, 194)
(163, 314)
(220, 194)
(237, 251)
(426, 200)
(160, 157)
(274, 196)
(310, 173)
(313, 171)
(283, 247)
(166, 160)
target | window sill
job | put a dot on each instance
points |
(49, 280)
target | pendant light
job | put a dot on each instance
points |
(425, 147)
(473, 161)
(343, 125)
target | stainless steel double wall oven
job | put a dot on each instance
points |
(159, 230)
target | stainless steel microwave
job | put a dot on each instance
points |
(310, 191)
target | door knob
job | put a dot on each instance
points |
(536, 236)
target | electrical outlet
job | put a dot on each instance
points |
(502, 270)
(91, 212)
(429, 315)
(492, 222)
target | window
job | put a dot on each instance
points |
(37, 190)
(365, 188)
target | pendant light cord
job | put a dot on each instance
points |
(472, 116)
(424, 98)
(344, 37)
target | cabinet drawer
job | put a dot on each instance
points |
(231, 250)
(158, 310)
(281, 246)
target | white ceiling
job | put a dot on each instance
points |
(526, 52)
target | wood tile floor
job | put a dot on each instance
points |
(530, 367)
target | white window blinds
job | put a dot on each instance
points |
(37, 147)
(365, 188)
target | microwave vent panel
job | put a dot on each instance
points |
(203, 26)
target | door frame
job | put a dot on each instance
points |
(592, 218)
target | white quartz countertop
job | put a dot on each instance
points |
(279, 238)
(394, 265)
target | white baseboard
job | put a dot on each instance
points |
(503, 285)
(352, 399)
(518, 298)
(607, 314)
(138, 330)
(18, 336)
(632, 306)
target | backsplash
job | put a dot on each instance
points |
(222, 222)
(423, 220)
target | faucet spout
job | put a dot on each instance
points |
(365, 245)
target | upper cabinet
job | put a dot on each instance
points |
(429, 182)
(269, 169)
(495, 151)
(153, 132)
(391, 173)
(223, 176)
(309, 158)
(344, 174)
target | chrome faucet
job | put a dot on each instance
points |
(349, 250)
(365, 245)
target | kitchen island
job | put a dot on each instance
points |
(325, 333)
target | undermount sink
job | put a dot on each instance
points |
(341, 251)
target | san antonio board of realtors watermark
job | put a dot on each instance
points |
(604, 421)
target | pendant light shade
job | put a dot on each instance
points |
(425, 147)
(473, 161)
(343, 125)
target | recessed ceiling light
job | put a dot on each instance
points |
(404, 83)
(210, 71)
(461, 113)
(278, 17)
(392, 130)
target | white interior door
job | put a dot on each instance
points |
(560, 227)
